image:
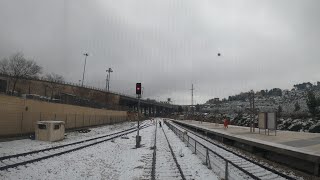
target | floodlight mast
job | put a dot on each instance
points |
(84, 67)
(108, 79)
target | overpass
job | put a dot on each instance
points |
(72, 93)
(148, 107)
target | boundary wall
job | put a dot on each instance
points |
(18, 116)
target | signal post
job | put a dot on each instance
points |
(138, 93)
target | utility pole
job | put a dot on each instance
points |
(84, 67)
(192, 108)
(108, 78)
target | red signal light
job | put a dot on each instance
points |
(138, 88)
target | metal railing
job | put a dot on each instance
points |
(82, 86)
(221, 166)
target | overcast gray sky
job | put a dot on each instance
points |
(169, 44)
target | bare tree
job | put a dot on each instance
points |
(54, 80)
(18, 67)
(53, 77)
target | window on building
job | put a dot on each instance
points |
(42, 126)
(56, 126)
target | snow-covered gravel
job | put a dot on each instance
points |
(218, 163)
(191, 165)
(25, 145)
(166, 167)
(109, 160)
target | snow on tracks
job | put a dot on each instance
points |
(19, 159)
(239, 166)
(166, 165)
(190, 164)
(109, 160)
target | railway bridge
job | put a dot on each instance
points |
(148, 107)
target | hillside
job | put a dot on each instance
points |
(291, 106)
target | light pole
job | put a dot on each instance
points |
(108, 78)
(84, 67)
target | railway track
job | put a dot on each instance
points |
(164, 162)
(16, 160)
(154, 155)
(242, 166)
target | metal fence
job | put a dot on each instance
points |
(221, 166)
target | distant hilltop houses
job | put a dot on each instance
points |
(289, 101)
(297, 109)
(298, 88)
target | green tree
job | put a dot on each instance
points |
(279, 110)
(180, 109)
(197, 107)
(297, 107)
(275, 92)
(312, 103)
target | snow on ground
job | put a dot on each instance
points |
(218, 163)
(25, 145)
(166, 167)
(189, 162)
(109, 160)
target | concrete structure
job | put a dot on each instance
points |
(50, 130)
(19, 116)
(298, 150)
(70, 93)
(148, 107)
(181, 117)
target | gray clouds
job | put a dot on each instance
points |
(167, 45)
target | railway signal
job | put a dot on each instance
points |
(138, 92)
(138, 88)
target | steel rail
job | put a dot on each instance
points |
(174, 157)
(70, 150)
(61, 146)
(153, 171)
(236, 154)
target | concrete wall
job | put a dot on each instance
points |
(45, 88)
(19, 116)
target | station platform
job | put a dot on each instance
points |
(299, 150)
